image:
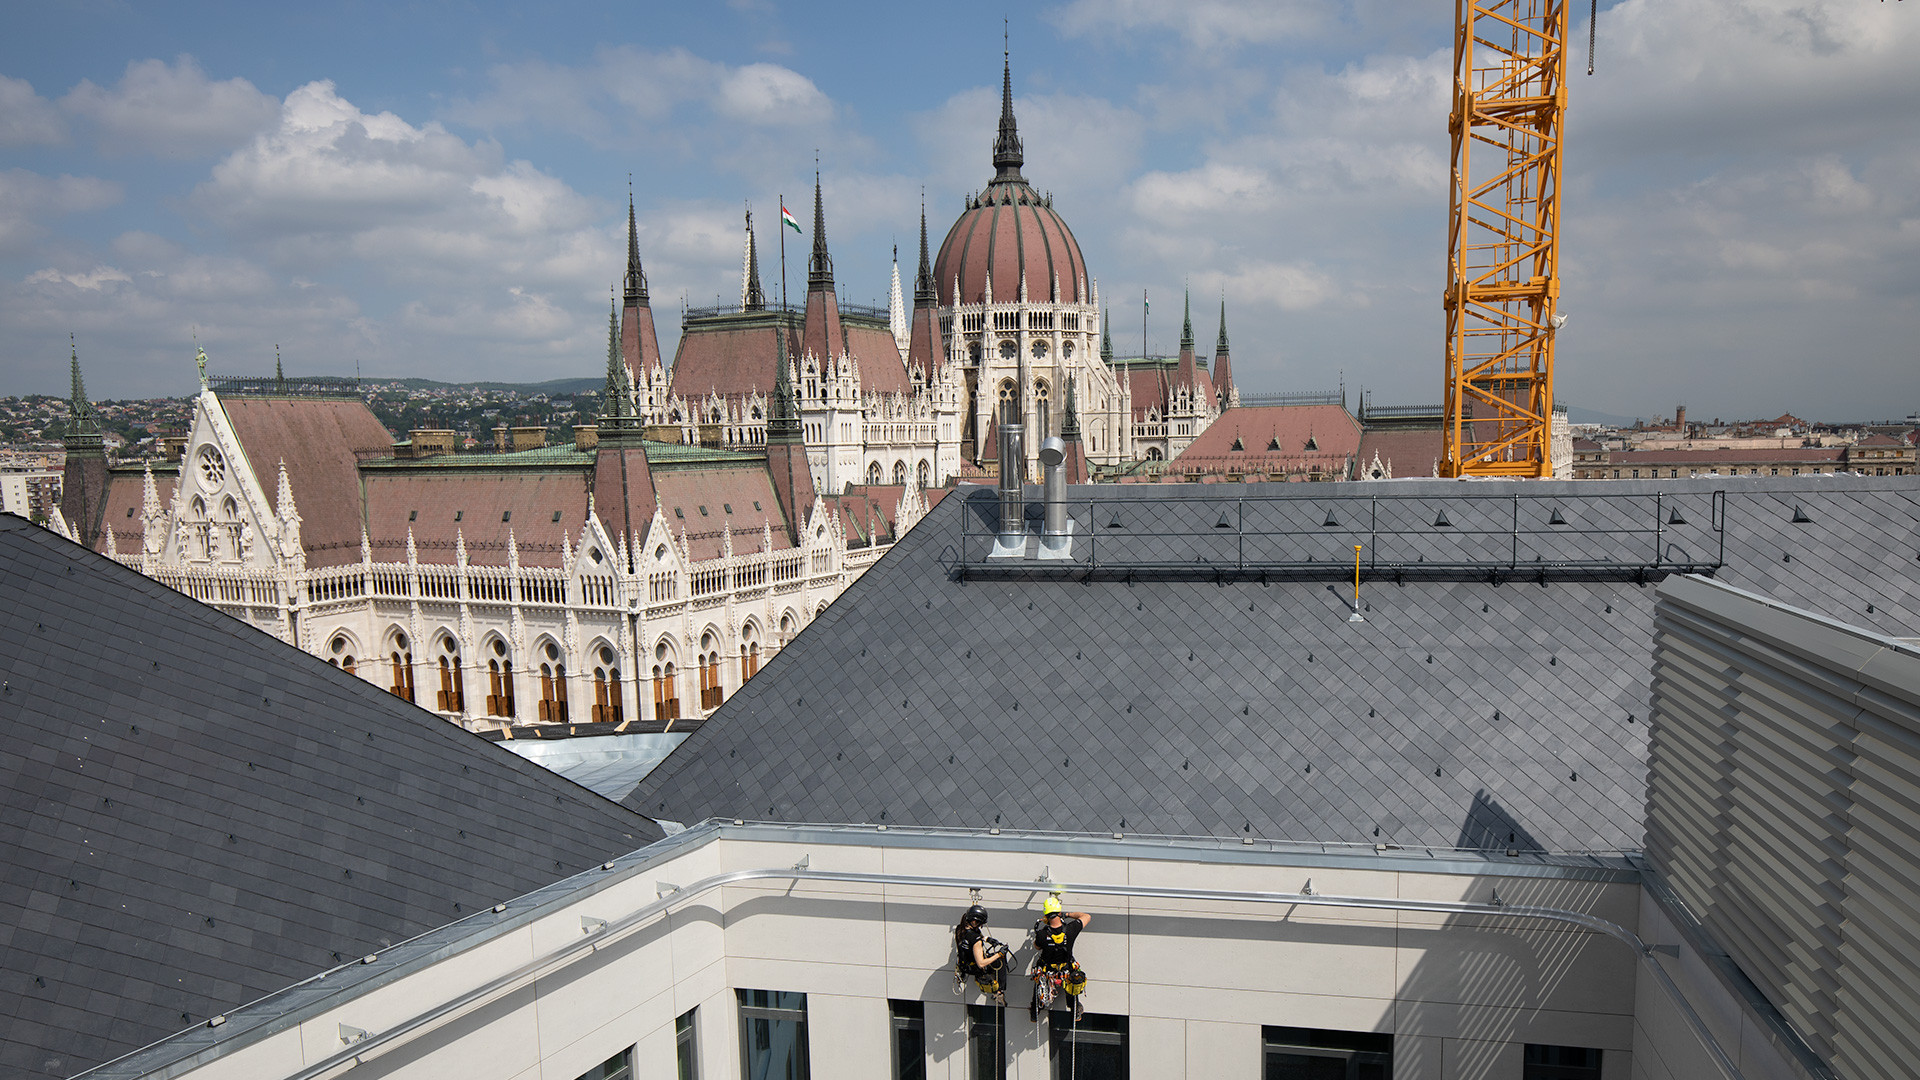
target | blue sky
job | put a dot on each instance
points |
(438, 190)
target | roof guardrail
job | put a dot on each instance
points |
(1492, 537)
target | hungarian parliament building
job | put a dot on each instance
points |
(641, 574)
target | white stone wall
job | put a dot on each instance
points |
(1461, 994)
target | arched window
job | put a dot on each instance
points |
(749, 651)
(900, 473)
(873, 474)
(711, 692)
(787, 629)
(1042, 416)
(553, 686)
(1153, 453)
(608, 703)
(230, 528)
(666, 686)
(202, 529)
(500, 680)
(926, 474)
(401, 654)
(341, 650)
(973, 352)
(453, 691)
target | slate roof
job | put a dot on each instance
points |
(194, 814)
(1461, 713)
(321, 440)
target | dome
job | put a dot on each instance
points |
(1007, 232)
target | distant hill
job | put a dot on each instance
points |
(550, 388)
(1578, 415)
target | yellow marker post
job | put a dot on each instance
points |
(1356, 616)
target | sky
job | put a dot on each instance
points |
(438, 190)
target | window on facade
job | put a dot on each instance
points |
(1009, 349)
(1314, 1054)
(987, 1042)
(686, 1046)
(342, 650)
(1560, 1063)
(749, 660)
(401, 657)
(500, 681)
(874, 474)
(617, 1067)
(773, 1035)
(666, 693)
(711, 693)
(1042, 414)
(925, 475)
(553, 689)
(909, 1039)
(608, 707)
(1091, 1048)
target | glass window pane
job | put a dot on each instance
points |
(909, 1040)
(1560, 1063)
(617, 1067)
(1091, 1048)
(987, 1042)
(773, 1035)
(686, 1047)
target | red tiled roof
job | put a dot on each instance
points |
(1148, 388)
(749, 491)
(322, 441)
(1335, 432)
(1010, 232)
(731, 361)
(881, 370)
(1880, 440)
(1818, 455)
(125, 498)
(482, 506)
(639, 346)
(1409, 451)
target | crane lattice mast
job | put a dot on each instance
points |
(1503, 274)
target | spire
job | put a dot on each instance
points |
(80, 418)
(636, 277)
(896, 306)
(784, 423)
(1186, 328)
(1220, 346)
(1007, 157)
(923, 286)
(1070, 426)
(820, 265)
(616, 403)
(1106, 338)
(752, 298)
(279, 372)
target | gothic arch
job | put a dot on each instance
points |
(344, 650)
(500, 679)
(452, 696)
(399, 649)
(609, 698)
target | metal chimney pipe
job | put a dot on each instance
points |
(1013, 460)
(1053, 460)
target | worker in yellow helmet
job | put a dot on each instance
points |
(1053, 939)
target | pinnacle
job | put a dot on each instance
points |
(636, 276)
(820, 264)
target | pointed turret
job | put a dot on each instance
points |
(926, 346)
(1106, 339)
(787, 449)
(1223, 393)
(622, 479)
(1076, 462)
(1007, 156)
(639, 345)
(83, 488)
(1188, 375)
(752, 298)
(819, 264)
(896, 307)
(279, 372)
(823, 338)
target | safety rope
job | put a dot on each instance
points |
(1593, 17)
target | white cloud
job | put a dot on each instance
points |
(771, 94)
(171, 111)
(28, 200)
(26, 118)
(1203, 23)
(92, 280)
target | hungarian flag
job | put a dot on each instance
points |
(786, 218)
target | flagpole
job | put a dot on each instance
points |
(1143, 324)
(783, 253)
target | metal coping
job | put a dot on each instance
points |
(1652, 519)
(287, 1008)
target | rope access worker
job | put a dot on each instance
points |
(985, 959)
(1053, 939)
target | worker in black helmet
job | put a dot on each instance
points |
(976, 955)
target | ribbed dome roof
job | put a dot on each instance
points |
(1010, 230)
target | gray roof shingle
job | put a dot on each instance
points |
(1461, 713)
(194, 814)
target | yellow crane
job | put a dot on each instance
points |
(1503, 266)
